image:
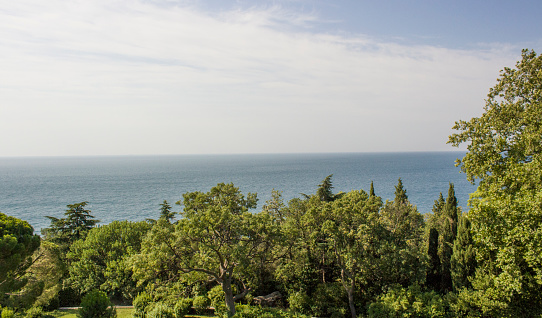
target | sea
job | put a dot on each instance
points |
(133, 187)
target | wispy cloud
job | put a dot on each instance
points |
(128, 76)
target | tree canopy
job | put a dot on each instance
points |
(17, 244)
(505, 155)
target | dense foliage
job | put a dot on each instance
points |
(325, 254)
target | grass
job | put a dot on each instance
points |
(121, 313)
(72, 313)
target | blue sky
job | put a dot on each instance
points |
(131, 77)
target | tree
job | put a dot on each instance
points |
(372, 190)
(463, 261)
(351, 229)
(102, 260)
(217, 237)
(74, 226)
(448, 233)
(402, 249)
(504, 153)
(434, 272)
(165, 212)
(17, 244)
(325, 191)
(400, 193)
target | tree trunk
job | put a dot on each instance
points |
(350, 292)
(228, 295)
(345, 277)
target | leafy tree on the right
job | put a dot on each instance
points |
(505, 156)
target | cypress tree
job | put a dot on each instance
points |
(400, 193)
(372, 190)
(434, 273)
(433, 276)
(448, 235)
(463, 262)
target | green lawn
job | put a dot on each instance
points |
(121, 313)
(72, 313)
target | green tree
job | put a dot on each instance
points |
(102, 260)
(448, 233)
(504, 153)
(401, 247)
(400, 193)
(165, 212)
(74, 226)
(434, 271)
(96, 304)
(324, 192)
(17, 244)
(351, 236)
(217, 238)
(372, 190)
(463, 261)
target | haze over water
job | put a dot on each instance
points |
(132, 187)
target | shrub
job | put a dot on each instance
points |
(217, 299)
(299, 302)
(247, 311)
(201, 304)
(182, 307)
(37, 312)
(329, 300)
(141, 304)
(161, 310)
(96, 304)
(409, 302)
(8, 313)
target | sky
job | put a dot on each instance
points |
(151, 77)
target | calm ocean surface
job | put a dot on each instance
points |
(132, 187)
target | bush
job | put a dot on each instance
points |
(37, 312)
(217, 299)
(329, 300)
(201, 304)
(182, 307)
(247, 311)
(141, 304)
(161, 310)
(409, 302)
(96, 304)
(299, 302)
(8, 313)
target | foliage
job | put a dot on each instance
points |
(182, 307)
(401, 252)
(74, 226)
(141, 304)
(37, 312)
(201, 304)
(17, 244)
(45, 276)
(216, 299)
(409, 302)
(463, 261)
(505, 156)
(161, 310)
(352, 229)
(246, 311)
(218, 238)
(165, 212)
(102, 259)
(96, 304)
(7, 313)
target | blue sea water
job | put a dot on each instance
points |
(132, 187)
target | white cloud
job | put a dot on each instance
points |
(131, 77)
